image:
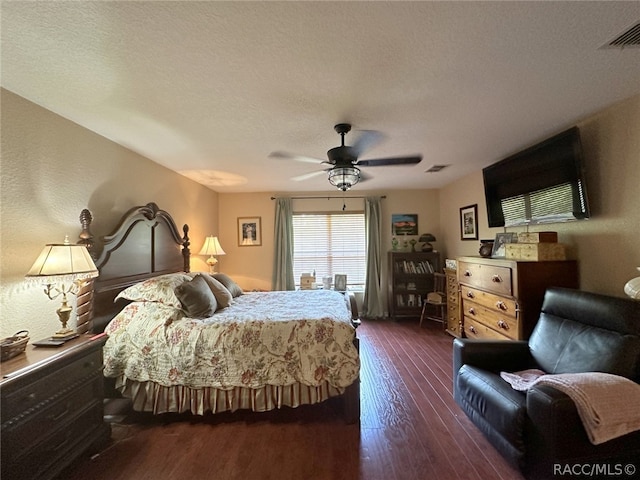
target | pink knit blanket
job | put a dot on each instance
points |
(608, 405)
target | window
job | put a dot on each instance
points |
(329, 243)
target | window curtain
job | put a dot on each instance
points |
(283, 244)
(372, 304)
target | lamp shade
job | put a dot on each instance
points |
(212, 247)
(344, 177)
(65, 261)
(632, 288)
(427, 237)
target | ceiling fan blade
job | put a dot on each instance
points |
(298, 158)
(367, 140)
(381, 162)
(307, 176)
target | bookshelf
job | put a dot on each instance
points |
(410, 278)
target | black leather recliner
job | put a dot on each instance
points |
(540, 431)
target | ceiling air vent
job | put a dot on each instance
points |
(436, 168)
(628, 38)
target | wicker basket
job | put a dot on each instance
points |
(12, 346)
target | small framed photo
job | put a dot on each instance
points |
(499, 249)
(469, 222)
(404, 224)
(340, 282)
(249, 232)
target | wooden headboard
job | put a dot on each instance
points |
(146, 243)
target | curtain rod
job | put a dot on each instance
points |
(326, 196)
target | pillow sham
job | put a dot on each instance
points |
(223, 296)
(230, 285)
(197, 299)
(158, 289)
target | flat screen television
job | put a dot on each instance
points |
(543, 184)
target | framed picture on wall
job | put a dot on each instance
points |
(249, 232)
(404, 224)
(469, 222)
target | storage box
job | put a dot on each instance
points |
(535, 251)
(307, 282)
(537, 237)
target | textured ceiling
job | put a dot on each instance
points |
(209, 89)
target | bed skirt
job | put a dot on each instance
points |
(151, 397)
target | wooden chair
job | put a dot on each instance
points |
(436, 301)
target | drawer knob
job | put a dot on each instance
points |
(470, 295)
(467, 273)
(496, 279)
(472, 329)
(502, 324)
(500, 305)
(472, 311)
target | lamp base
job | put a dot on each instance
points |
(427, 247)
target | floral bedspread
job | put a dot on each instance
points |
(263, 338)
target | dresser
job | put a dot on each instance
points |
(52, 408)
(501, 299)
(453, 326)
(410, 278)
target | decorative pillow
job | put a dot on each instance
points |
(196, 298)
(159, 289)
(232, 286)
(223, 296)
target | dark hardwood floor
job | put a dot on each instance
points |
(410, 429)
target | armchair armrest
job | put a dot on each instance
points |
(556, 428)
(491, 355)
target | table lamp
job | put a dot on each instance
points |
(61, 267)
(426, 239)
(212, 248)
(632, 288)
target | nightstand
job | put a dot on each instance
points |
(52, 408)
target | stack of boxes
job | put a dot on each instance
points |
(307, 281)
(536, 247)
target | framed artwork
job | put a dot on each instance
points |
(404, 224)
(340, 282)
(249, 232)
(469, 222)
(499, 249)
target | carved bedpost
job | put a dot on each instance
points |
(186, 253)
(86, 237)
(84, 297)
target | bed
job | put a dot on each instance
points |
(181, 341)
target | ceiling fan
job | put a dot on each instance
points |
(345, 167)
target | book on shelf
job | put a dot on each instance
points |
(409, 266)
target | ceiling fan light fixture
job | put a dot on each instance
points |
(344, 177)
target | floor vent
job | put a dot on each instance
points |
(629, 38)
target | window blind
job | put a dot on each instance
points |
(329, 244)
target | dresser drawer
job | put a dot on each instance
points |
(506, 306)
(492, 278)
(504, 324)
(29, 396)
(43, 459)
(479, 331)
(57, 414)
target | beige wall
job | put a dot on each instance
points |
(50, 170)
(606, 245)
(252, 266)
